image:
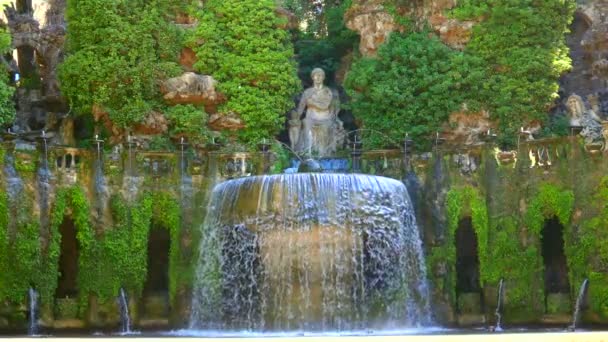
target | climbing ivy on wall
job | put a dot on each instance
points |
(588, 253)
(73, 202)
(511, 68)
(460, 203)
(125, 246)
(117, 52)
(240, 43)
(522, 43)
(7, 106)
(411, 87)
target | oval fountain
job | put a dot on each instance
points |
(310, 252)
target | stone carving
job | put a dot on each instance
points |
(191, 88)
(321, 129)
(295, 125)
(586, 118)
(468, 128)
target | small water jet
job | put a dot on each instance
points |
(579, 303)
(125, 318)
(310, 252)
(498, 312)
(32, 329)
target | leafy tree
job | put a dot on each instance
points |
(117, 51)
(240, 43)
(316, 50)
(412, 86)
(7, 107)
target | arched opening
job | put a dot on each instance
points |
(468, 290)
(156, 288)
(68, 260)
(554, 258)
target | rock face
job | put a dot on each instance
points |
(588, 43)
(373, 22)
(191, 88)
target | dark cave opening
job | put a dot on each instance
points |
(157, 281)
(467, 263)
(68, 260)
(554, 258)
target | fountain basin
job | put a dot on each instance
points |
(310, 252)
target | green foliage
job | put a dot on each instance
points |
(588, 254)
(550, 201)
(244, 48)
(117, 51)
(522, 42)
(124, 256)
(460, 203)
(315, 50)
(415, 81)
(282, 160)
(75, 200)
(189, 121)
(7, 106)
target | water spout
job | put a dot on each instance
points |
(32, 329)
(498, 312)
(579, 303)
(125, 318)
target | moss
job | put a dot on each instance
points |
(125, 246)
(462, 202)
(588, 253)
(75, 199)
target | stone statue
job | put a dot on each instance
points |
(586, 118)
(321, 129)
(295, 125)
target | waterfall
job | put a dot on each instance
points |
(125, 318)
(44, 188)
(33, 313)
(312, 252)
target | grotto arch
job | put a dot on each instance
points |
(548, 221)
(468, 239)
(163, 258)
(467, 262)
(554, 257)
(71, 238)
(69, 251)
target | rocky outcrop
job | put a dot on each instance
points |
(191, 88)
(374, 23)
(227, 121)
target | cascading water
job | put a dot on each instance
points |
(579, 303)
(125, 318)
(44, 186)
(310, 252)
(33, 312)
(14, 188)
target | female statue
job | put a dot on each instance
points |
(321, 127)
